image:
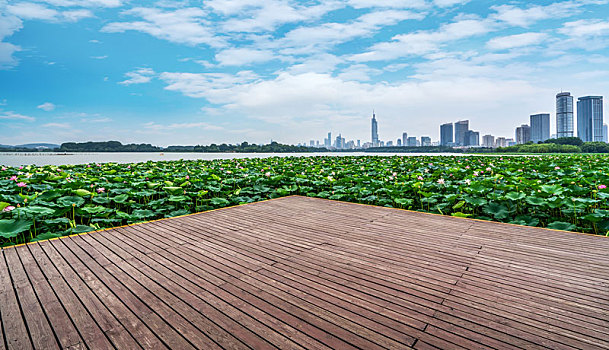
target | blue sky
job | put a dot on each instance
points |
(200, 72)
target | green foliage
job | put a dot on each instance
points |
(556, 191)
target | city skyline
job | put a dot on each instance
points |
(591, 127)
(216, 71)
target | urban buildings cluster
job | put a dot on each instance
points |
(590, 128)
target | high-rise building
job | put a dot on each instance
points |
(328, 141)
(510, 142)
(446, 134)
(339, 142)
(500, 142)
(540, 127)
(405, 139)
(358, 143)
(523, 134)
(399, 142)
(590, 118)
(412, 141)
(564, 114)
(472, 138)
(425, 141)
(488, 141)
(389, 144)
(605, 134)
(461, 128)
(375, 131)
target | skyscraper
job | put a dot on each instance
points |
(590, 118)
(412, 141)
(472, 138)
(564, 115)
(605, 134)
(405, 139)
(523, 134)
(328, 141)
(446, 134)
(375, 132)
(488, 141)
(461, 127)
(399, 142)
(540, 127)
(425, 141)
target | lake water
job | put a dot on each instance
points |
(44, 158)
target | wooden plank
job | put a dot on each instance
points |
(62, 325)
(170, 336)
(89, 330)
(15, 331)
(38, 326)
(142, 334)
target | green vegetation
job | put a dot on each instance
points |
(115, 146)
(565, 192)
(559, 145)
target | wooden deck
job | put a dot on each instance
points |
(298, 273)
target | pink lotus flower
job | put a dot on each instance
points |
(557, 168)
(13, 178)
(101, 190)
(3, 168)
(20, 167)
(267, 174)
(187, 177)
(420, 178)
(441, 181)
(21, 184)
(9, 208)
(600, 187)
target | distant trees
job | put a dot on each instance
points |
(107, 146)
(115, 146)
(575, 141)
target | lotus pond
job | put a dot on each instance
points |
(566, 192)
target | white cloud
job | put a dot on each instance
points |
(76, 15)
(57, 125)
(6, 55)
(99, 57)
(15, 116)
(206, 84)
(425, 42)
(517, 40)
(183, 26)
(526, 17)
(30, 10)
(34, 11)
(360, 72)
(185, 126)
(407, 4)
(243, 56)
(319, 38)
(85, 3)
(256, 16)
(449, 3)
(586, 28)
(138, 76)
(47, 106)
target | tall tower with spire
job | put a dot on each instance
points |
(375, 131)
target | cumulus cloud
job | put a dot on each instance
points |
(47, 106)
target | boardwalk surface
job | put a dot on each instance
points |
(308, 273)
